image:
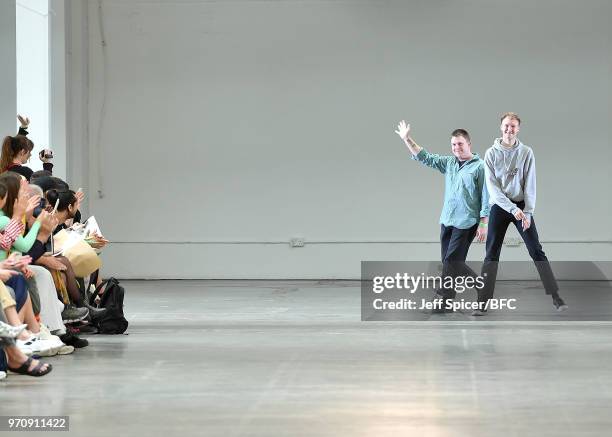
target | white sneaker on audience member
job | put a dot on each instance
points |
(34, 345)
(54, 340)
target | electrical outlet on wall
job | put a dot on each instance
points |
(297, 242)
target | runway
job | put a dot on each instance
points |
(292, 358)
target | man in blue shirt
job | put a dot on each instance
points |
(466, 201)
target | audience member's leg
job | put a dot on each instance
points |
(6, 299)
(34, 296)
(11, 311)
(50, 306)
(26, 315)
(20, 363)
(71, 282)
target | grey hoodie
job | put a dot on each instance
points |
(511, 176)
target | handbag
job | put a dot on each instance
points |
(82, 256)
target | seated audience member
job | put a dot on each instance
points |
(17, 310)
(11, 188)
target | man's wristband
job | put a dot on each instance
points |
(482, 225)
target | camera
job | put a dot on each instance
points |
(46, 153)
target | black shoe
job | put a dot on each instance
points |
(559, 304)
(481, 310)
(73, 340)
(443, 309)
(87, 329)
(95, 314)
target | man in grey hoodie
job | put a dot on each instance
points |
(510, 174)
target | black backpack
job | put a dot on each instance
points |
(112, 321)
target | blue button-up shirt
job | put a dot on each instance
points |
(466, 198)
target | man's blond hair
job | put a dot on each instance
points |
(511, 115)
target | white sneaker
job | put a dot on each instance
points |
(36, 346)
(45, 334)
(54, 340)
(2, 374)
(25, 346)
(45, 348)
(65, 350)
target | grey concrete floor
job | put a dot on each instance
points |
(292, 358)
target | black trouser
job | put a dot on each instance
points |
(455, 244)
(499, 220)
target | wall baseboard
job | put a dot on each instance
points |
(336, 261)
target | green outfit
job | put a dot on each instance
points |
(21, 244)
(466, 198)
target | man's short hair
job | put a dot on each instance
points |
(512, 116)
(461, 133)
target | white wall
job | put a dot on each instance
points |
(216, 131)
(58, 123)
(33, 73)
(8, 72)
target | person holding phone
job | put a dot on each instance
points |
(17, 150)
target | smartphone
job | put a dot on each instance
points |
(40, 207)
